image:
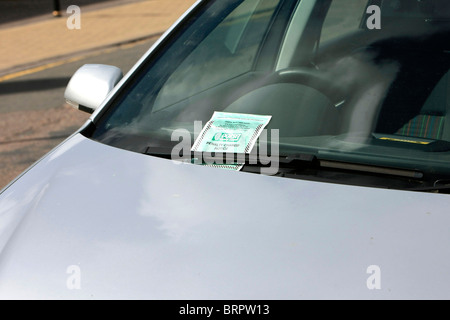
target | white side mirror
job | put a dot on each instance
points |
(90, 85)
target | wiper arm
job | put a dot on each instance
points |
(303, 164)
(292, 161)
(256, 159)
(371, 169)
(233, 158)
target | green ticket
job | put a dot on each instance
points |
(230, 133)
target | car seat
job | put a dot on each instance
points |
(432, 121)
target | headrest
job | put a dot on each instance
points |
(438, 101)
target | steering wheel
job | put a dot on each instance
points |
(313, 78)
(300, 102)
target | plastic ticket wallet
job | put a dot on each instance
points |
(230, 133)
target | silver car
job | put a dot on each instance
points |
(261, 149)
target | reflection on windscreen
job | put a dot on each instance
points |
(345, 92)
(233, 43)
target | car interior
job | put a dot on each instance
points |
(349, 93)
(308, 80)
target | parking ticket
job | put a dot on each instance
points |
(230, 133)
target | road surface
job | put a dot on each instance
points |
(33, 115)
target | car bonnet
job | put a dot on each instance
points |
(126, 225)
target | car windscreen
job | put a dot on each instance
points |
(362, 87)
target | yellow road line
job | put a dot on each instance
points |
(62, 62)
(37, 69)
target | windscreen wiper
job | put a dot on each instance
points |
(294, 162)
(348, 166)
(231, 157)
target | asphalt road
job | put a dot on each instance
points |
(34, 117)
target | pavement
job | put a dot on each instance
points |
(43, 40)
(46, 43)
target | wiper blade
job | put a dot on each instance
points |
(407, 173)
(291, 158)
(305, 165)
(293, 161)
(349, 166)
(251, 158)
(231, 157)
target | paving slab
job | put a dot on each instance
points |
(31, 44)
